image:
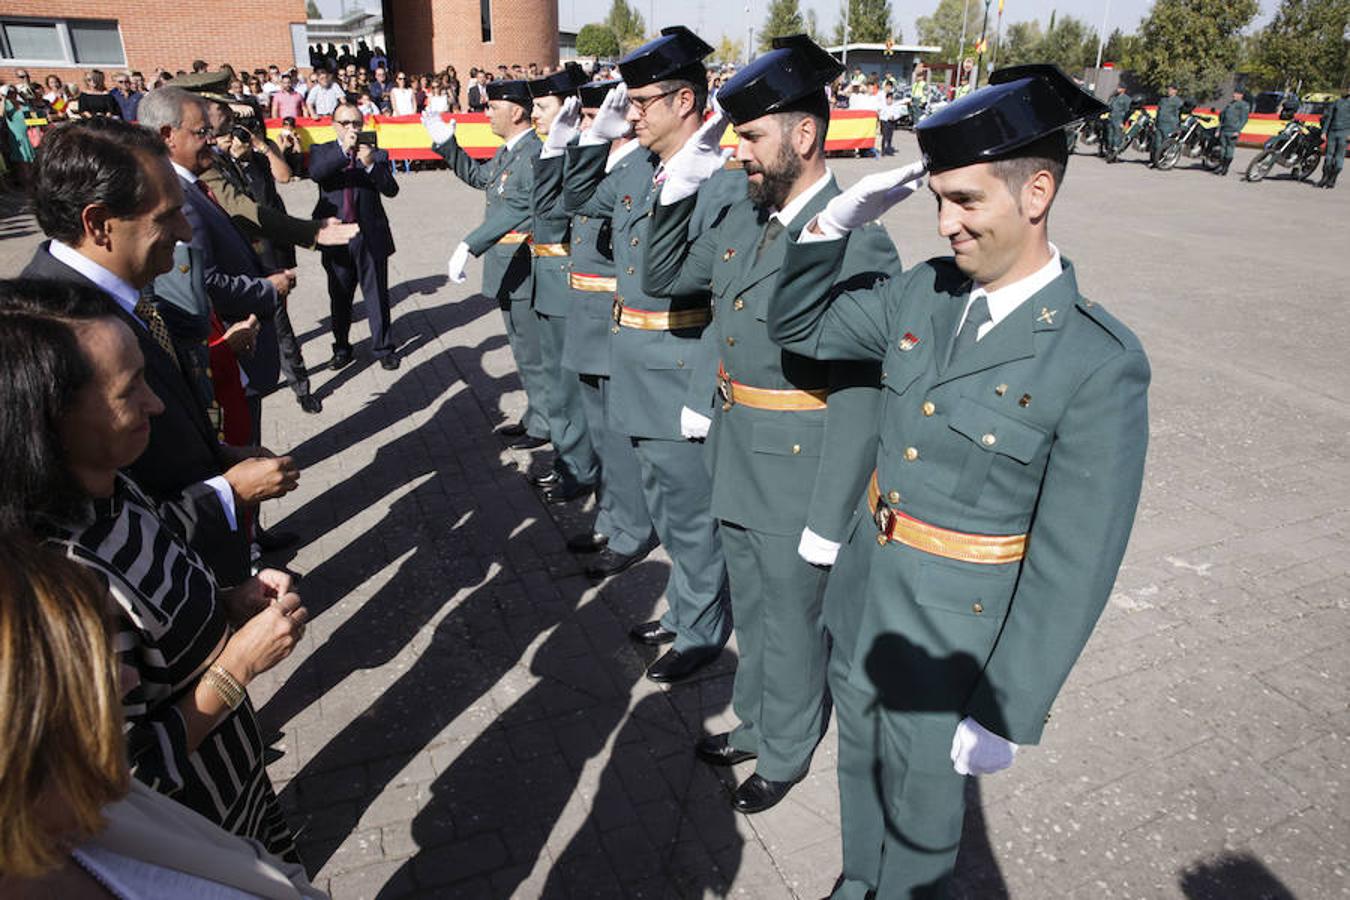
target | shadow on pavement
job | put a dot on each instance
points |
(1232, 876)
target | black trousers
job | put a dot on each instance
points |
(887, 134)
(292, 360)
(346, 268)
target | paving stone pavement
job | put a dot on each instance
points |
(465, 717)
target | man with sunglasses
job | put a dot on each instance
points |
(657, 349)
(128, 99)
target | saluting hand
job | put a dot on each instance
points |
(565, 127)
(867, 200)
(611, 119)
(698, 160)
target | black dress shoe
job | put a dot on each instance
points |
(561, 492)
(342, 357)
(515, 429)
(758, 794)
(652, 633)
(609, 562)
(716, 750)
(544, 479)
(272, 541)
(310, 404)
(528, 442)
(390, 363)
(677, 666)
(587, 543)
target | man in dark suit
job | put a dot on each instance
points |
(106, 196)
(477, 98)
(352, 175)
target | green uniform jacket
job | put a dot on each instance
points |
(773, 471)
(651, 369)
(259, 221)
(1169, 115)
(1336, 121)
(1119, 108)
(1041, 428)
(1234, 117)
(552, 225)
(586, 346)
(507, 180)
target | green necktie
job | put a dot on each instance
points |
(977, 315)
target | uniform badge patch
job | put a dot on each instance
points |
(730, 252)
(627, 201)
(908, 342)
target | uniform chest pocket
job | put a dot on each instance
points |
(784, 439)
(992, 434)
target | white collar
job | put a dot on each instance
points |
(1007, 298)
(516, 139)
(798, 203)
(619, 155)
(125, 295)
(183, 173)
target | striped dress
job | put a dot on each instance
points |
(170, 627)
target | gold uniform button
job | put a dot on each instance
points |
(796, 448)
(929, 407)
(738, 303)
(679, 364)
(881, 539)
(989, 440)
(911, 454)
(633, 242)
(1001, 390)
(630, 270)
(977, 607)
(893, 497)
(183, 267)
(731, 342)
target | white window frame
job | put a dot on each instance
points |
(67, 45)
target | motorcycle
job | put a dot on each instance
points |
(1140, 134)
(1298, 147)
(1194, 139)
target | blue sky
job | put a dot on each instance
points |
(714, 18)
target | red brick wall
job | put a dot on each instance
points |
(172, 33)
(431, 34)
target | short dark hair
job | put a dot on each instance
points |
(1049, 153)
(696, 82)
(790, 118)
(42, 369)
(97, 160)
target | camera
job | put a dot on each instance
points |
(368, 138)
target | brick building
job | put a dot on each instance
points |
(69, 37)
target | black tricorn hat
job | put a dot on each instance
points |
(516, 90)
(593, 92)
(677, 53)
(1019, 105)
(563, 83)
(791, 75)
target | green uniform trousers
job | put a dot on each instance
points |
(1335, 156)
(522, 331)
(677, 487)
(1116, 135)
(779, 693)
(1228, 144)
(566, 420)
(901, 804)
(621, 509)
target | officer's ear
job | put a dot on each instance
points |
(1038, 193)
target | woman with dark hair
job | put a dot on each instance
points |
(75, 410)
(75, 825)
(95, 99)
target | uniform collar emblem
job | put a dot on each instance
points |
(1047, 315)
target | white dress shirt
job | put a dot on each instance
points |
(1007, 298)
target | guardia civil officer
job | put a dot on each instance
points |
(655, 347)
(1231, 122)
(576, 469)
(503, 238)
(622, 533)
(1167, 123)
(1336, 128)
(793, 440)
(1012, 449)
(1118, 112)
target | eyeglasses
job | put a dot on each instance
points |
(642, 104)
(204, 132)
(346, 121)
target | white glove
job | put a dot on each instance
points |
(700, 157)
(563, 129)
(868, 199)
(611, 119)
(459, 261)
(978, 751)
(441, 131)
(693, 426)
(817, 550)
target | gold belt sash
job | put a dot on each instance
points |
(551, 249)
(593, 284)
(515, 237)
(789, 399)
(893, 525)
(659, 321)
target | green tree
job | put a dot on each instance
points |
(312, 10)
(1069, 43)
(597, 41)
(1304, 47)
(869, 21)
(943, 27)
(1194, 43)
(812, 27)
(626, 23)
(782, 17)
(729, 51)
(1021, 44)
(1119, 49)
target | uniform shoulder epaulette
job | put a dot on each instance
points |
(1108, 323)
